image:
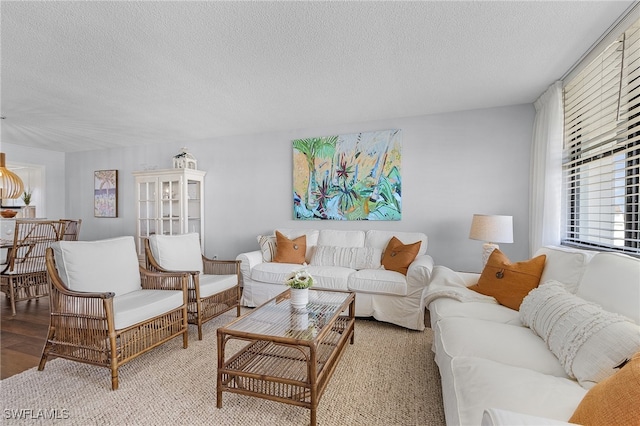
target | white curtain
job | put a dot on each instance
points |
(546, 170)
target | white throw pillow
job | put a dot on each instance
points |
(347, 257)
(565, 265)
(267, 247)
(588, 341)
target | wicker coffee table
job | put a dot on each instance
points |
(284, 354)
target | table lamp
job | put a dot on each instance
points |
(491, 229)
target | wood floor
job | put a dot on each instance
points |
(22, 336)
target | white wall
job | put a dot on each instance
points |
(453, 165)
(54, 193)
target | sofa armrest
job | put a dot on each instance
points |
(419, 272)
(469, 278)
(497, 417)
(248, 260)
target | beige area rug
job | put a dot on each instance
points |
(387, 377)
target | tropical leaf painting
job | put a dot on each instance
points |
(105, 193)
(348, 177)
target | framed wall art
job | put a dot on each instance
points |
(105, 193)
(348, 177)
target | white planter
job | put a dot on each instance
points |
(300, 320)
(299, 297)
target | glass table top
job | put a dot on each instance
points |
(277, 318)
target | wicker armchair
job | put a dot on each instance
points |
(24, 275)
(106, 309)
(214, 284)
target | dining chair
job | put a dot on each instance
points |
(23, 276)
(71, 229)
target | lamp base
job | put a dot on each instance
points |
(487, 249)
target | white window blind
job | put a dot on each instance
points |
(601, 166)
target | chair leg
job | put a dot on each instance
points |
(113, 359)
(114, 378)
(12, 297)
(199, 317)
(185, 325)
(46, 349)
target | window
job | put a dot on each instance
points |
(601, 165)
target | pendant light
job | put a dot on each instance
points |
(11, 185)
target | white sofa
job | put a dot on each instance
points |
(495, 370)
(348, 260)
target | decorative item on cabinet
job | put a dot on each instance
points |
(184, 160)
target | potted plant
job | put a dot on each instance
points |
(26, 197)
(299, 282)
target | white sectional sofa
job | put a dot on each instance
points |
(496, 370)
(347, 260)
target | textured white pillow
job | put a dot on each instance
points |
(347, 257)
(267, 247)
(588, 341)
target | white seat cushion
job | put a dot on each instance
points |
(497, 417)
(378, 281)
(507, 344)
(99, 266)
(445, 307)
(330, 277)
(480, 384)
(212, 284)
(177, 252)
(138, 306)
(273, 272)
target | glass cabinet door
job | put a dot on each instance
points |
(147, 213)
(193, 206)
(170, 207)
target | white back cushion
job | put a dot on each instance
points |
(98, 266)
(612, 280)
(329, 237)
(565, 265)
(380, 239)
(177, 252)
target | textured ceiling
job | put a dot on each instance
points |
(91, 75)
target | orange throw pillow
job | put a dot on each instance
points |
(397, 256)
(509, 282)
(613, 401)
(290, 251)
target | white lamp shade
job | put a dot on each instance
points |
(492, 228)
